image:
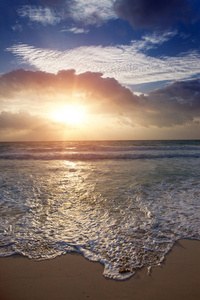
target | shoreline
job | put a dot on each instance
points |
(73, 277)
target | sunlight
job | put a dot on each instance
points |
(72, 114)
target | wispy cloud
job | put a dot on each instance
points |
(149, 41)
(39, 14)
(75, 30)
(129, 64)
(79, 11)
(92, 11)
(17, 27)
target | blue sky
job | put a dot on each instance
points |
(146, 52)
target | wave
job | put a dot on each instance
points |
(95, 156)
(100, 150)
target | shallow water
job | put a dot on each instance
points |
(121, 203)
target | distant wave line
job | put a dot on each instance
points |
(93, 156)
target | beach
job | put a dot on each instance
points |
(71, 276)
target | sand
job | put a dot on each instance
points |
(73, 277)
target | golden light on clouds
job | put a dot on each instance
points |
(72, 114)
(66, 106)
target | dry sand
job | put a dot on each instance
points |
(73, 277)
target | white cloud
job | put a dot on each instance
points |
(157, 39)
(129, 64)
(17, 27)
(92, 11)
(75, 30)
(80, 11)
(43, 15)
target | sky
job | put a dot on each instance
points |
(99, 70)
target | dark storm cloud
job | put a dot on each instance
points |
(153, 13)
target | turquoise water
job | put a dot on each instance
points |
(123, 204)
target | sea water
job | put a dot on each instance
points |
(122, 203)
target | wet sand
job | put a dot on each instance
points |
(73, 277)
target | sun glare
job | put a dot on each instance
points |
(73, 115)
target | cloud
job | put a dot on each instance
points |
(140, 13)
(181, 92)
(97, 90)
(25, 126)
(79, 11)
(175, 104)
(39, 14)
(20, 121)
(129, 64)
(75, 30)
(153, 13)
(92, 11)
(19, 81)
(17, 27)
(150, 41)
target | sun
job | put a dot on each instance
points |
(72, 114)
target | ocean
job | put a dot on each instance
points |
(122, 203)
